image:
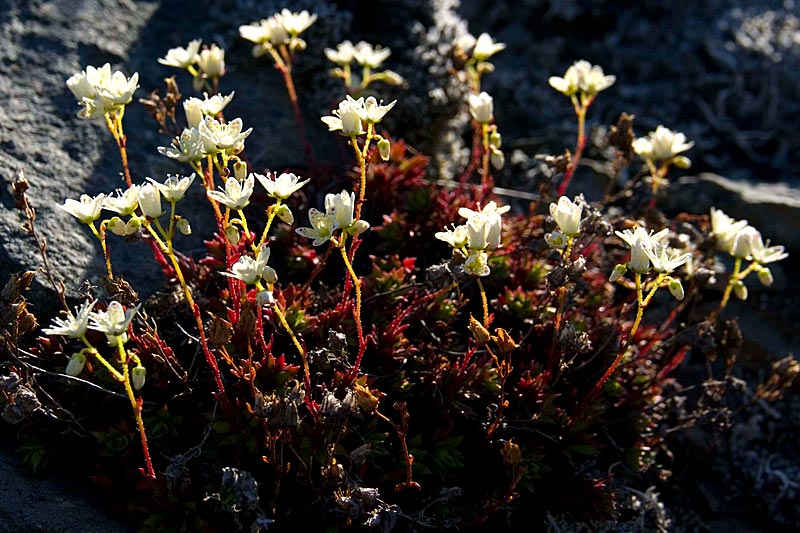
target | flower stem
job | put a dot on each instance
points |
(580, 110)
(101, 236)
(137, 409)
(732, 281)
(272, 211)
(303, 355)
(114, 125)
(485, 178)
(485, 304)
(362, 346)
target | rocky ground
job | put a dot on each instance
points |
(724, 72)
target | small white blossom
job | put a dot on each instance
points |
(661, 144)
(264, 298)
(266, 33)
(744, 241)
(567, 215)
(235, 195)
(481, 107)
(150, 201)
(250, 270)
(114, 321)
(665, 260)
(456, 237)
(189, 147)
(296, 23)
(368, 56)
(213, 105)
(347, 118)
(485, 47)
(322, 227)
(556, 240)
(341, 207)
(102, 91)
(182, 57)
(212, 61)
(86, 210)
(219, 137)
(281, 187)
(477, 263)
(343, 55)
(124, 203)
(372, 112)
(484, 226)
(763, 254)
(285, 214)
(174, 188)
(582, 76)
(193, 109)
(641, 243)
(724, 228)
(74, 325)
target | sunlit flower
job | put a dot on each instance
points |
(763, 254)
(484, 226)
(87, 209)
(567, 215)
(582, 76)
(477, 263)
(343, 55)
(213, 105)
(724, 228)
(641, 242)
(661, 144)
(124, 203)
(114, 321)
(150, 201)
(456, 237)
(744, 241)
(189, 147)
(235, 195)
(193, 109)
(372, 112)
(174, 188)
(265, 33)
(368, 56)
(250, 270)
(118, 227)
(485, 47)
(281, 187)
(219, 137)
(74, 325)
(296, 23)
(666, 260)
(322, 227)
(556, 240)
(347, 118)
(481, 107)
(212, 61)
(102, 91)
(182, 57)
(341, 207)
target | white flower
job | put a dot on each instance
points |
(189, 147)
(86, 210)
(340, 206)
(182, 57)
(744, 241)
(368, 56)
(174, 188)
(281, 187)
(641, 243)
(322, 227)
(75, 324)
(484, 226)
(763, 254)
(296, 23)
(347, 118)
(486, 47)
(114, 320)
(343, 55)
(285, 214)
(582, 76)
(219, 137)
(661, 144)
(724, 228)
(371, 112)
(477, 263)
(266, 33)
(665, 260)
(251, 270)
(556, 240)
(193, 108)
(213, 105)
(481, 107)
(150, 201)
(124, 203)
(567, 215)
(235, 195)
(102, 91)
(212, 61)
(465, 43)
(456, 237)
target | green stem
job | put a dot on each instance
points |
(357, 310)
(101, 236)
(271, 212)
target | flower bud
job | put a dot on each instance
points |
(617, 273)
(264, 298)
(681, 161)
(479, 333)
(232, 234)
(740, 291)
(117, 226)
(150, 201)
(497, 158)
(392, 78)
(676, 289)
(240, 171)
(556, 240)
(184, 227)
(285, 214)
(504, 341)
(138, 376)
(495, 139)
(76, 364)
(384, 148)
(765, 277)
(358, 227)
(481, 107)
(193, 107)
(640, 262)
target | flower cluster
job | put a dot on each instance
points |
(338, 215)
(206, 65)
(567, 215)
(582, 78)
(479, 49)
(368, 57)
(479, 235)
(663, 145)
(102, 91)
(281, 29)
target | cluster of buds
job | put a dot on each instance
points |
(479, 235)
(368, 57)
(481, 108)
(663, 147)
(744, 242)
(582, 79)
(102, 92)
(338, 215)
(206, 134)
(206, 65)
(567, 216)
(649, 251)
(280, 30)
(351, 116)
(473, 54)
